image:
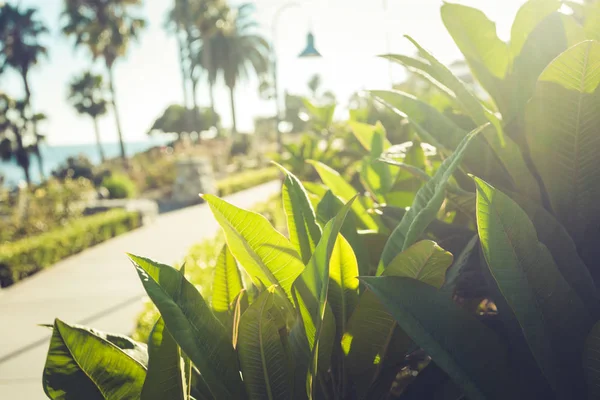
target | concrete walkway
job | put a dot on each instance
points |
(97, 287)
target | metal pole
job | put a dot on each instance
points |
(274, 66)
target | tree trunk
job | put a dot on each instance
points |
(208, 61)
(22, 158)
(195, 105)
(184, 77)
(30, 119)
(115, 110)
(233, 118)
(98, 143)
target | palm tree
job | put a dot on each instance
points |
(87, 93)
(20, 49)
(237, 50)
(13, 128)
(106, 28)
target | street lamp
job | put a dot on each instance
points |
(309, 52)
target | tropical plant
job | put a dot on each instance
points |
(482, 288)
(236, 49)
(21, 50)
(106, 29)
(87, 94)
(119, 186)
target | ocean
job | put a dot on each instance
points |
(54, 156)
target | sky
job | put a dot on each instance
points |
(348, 33)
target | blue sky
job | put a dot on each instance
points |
(349, 34)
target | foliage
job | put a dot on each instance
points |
(14, 132)
(246, 179)
(477, 259)
(48, 206)
(178, 119)
(27, 256)
(119, 186)
(88, 95)
(74, 168)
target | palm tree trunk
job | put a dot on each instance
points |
(180, 42)
(116, 112)
(233, 118)
(22, 158)
(30, 118)
(195, 105)
(208, 61)
(98, 143)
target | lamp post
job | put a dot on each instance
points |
(309, 52)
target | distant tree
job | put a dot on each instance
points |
(106, 28)
(20, 50)
(14, 132)
(88, 95)
(314, 84)
(178, 119)
(237, 50)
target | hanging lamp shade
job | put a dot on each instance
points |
(310, 50)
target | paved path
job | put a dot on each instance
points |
(97, 287)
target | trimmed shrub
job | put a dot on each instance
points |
(245, 180)
(120, 186)
(29, 255)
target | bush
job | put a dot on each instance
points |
(27, 256)
(119, 186)
(75, 167)
(245, 180)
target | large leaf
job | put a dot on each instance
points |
(328, 208)
(193, 326)
(560, 244)
(552, 317)
(312, 289)
(227, 284)
(591, 362)
(498, 159)
(343, 284)
(264, 357)
(302, 223)
(563, 133)
(428, 201)
(266, 255)
(371, 137)
(338, 185)
(473, 356)
(166, 377)
(528, 17)
(372, 331)
(83, 365)
(553, 34)
(487, 55)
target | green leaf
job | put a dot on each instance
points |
(556, 238)
(499, 161)
(193, 326)
(81, 364)
(312, 288)
(371, 137)
(591, 362)
(562, 130)
(528, 17)
(264, 253)
(373, 338)
(227, 284)
(553, 318)
(302, 223)
(342, 189)
(428, 201)
(487, 55)
(322, 116)
(343, 284)
(264, 357)
(166, 377)
(473, 356)
(552, 35)
(327, 209)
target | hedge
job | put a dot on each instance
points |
(245, 180)
(29, 255)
